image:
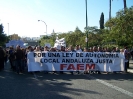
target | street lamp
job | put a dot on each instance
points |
(45, 24)
(86, 26)
(8, 29)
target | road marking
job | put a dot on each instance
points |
(112, 86)
(130, 70)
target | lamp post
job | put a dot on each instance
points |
(8, 29)
(86, 26)
(45, 24)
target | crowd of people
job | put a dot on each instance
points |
(17, 57)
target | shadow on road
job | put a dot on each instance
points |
(47, 86)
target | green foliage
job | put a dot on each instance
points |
(122, 27)
(3, 37)
(119, 34)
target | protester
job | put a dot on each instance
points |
(78, 50)
(117, 49)
(131, 53)
(24, 59)
(71, 49)
(45, 49)
(62, 50)
(99, 49)
(6, 56)
(19, 57)
(86, 50)
(2, 55)
(12, 58)
(37, 49)
(127, 53)
(95, 50)
(90, 49)
(122, 51)
(30, 50)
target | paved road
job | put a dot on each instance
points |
(65, 86)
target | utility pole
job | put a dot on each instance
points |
(86, 27)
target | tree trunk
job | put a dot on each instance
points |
(125, 5)
(109, 9)
(109, 12)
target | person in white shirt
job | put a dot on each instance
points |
(77, 49)
(126, 54)
(45, 49)
(30, 54)
(37, 49)
(122, 51)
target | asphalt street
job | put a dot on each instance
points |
(65, 86)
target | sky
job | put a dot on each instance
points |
(60, 15)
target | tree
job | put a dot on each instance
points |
(77, 29)
(1, 29)
(92, 29)
(121, 33)
(3, 37)
(122, 27)
(101, 22)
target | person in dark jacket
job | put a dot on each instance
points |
(24, 59)
(6, 56)
(19, 57)
(2, 55)
(12, 58)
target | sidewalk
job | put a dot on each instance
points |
(130, 69)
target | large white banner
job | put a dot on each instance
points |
(72, 61)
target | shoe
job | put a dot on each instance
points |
(125, 72)
(99, 72)
(17, 72)
(114, 73)
(45, 72)
(54, 73)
